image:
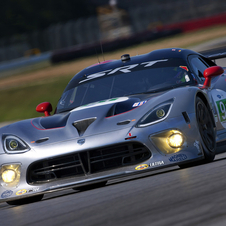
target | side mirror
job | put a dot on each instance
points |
(45, 108)
(211, 72)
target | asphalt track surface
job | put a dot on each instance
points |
(171, 196)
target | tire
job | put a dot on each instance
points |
(207, 133)
(206, 130)
(26, 200)
(91, 186)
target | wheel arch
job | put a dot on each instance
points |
(206, 102)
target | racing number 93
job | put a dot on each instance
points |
(222, 109)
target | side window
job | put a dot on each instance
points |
(198, 65)
(207, 61)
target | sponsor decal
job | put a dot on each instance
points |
(184, 67)
(196, 144)
(141, 167)
(137, 104)
(220, 105)
(222, 109)
(219, 96)
(81, 141)
(123, 69)
(187, 79)
(21, 192)
(178, 158)
(159, 163)
(6, 194)
(33, 190)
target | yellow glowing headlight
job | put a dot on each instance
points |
(8, 176)
(175, 140)
(169, 141)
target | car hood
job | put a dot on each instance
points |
(95, 118)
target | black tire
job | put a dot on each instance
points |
(26, 200)
(91, 186)
(207, 132)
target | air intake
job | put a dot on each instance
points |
(83, 124)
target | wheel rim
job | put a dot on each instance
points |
(205, 126)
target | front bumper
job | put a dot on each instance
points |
(30, 184)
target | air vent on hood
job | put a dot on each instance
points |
(83, 124)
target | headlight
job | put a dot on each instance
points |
(159, 113)
(14, 145)
(169, 141)
(10, 175)
(175, 140)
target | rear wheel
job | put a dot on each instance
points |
(207, 133)
(26, 200)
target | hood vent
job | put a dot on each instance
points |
(83, 124)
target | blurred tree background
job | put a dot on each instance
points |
(20, 16)
(32, 27)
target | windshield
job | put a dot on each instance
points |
(145, 77)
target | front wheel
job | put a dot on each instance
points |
(206, 130)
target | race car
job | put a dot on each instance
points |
(115, 119)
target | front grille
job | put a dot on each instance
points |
(87, 162)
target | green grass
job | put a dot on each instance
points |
(20, 103)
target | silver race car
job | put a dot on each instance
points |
(118, 118)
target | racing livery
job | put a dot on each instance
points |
(118, 118)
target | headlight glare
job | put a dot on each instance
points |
(13, 145)
(169, 141)
(10, 175)
(175, 140)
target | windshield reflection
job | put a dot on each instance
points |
(164, 75)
